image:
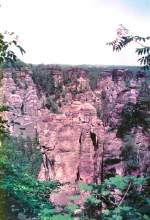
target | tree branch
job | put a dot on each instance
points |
(121, 201)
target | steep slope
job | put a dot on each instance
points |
(87, 130)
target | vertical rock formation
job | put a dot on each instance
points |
(87, 139)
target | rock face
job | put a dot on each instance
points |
(70, 141)
(95, 133)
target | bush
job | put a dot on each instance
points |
(119, 198)
(19, 166)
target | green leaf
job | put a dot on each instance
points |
(85, 187)
(91, 200)
(118, 182)
(73, 207)
(146, 217)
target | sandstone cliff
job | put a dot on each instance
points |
(86, 132)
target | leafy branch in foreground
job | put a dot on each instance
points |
(124, 38)
(7, 55)
(119, 198)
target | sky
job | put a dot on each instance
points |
(74, 31)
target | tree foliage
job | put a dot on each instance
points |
(119, 198)
(7, 55)
(21, 163)
(124, 38)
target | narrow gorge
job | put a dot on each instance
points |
(87, 129)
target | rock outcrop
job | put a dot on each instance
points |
(95, 133)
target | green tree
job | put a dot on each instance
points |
(118, 198)
(123, 38)
(7, 55)
(23, 192)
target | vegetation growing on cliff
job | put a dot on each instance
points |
(134, 115)
(21, 162)
(21, 194)
(43, 78)
(20, 191)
